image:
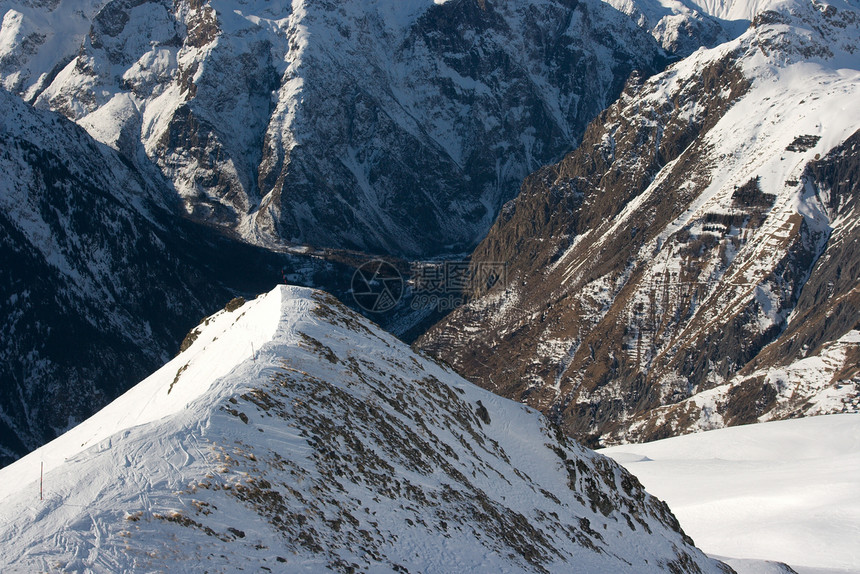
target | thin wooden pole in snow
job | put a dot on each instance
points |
(253, 353)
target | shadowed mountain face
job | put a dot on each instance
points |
(396, 127)
(691, 264)
(100, 280)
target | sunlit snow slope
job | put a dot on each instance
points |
(294, 435)
(786, 490)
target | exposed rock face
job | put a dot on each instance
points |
(398, 127)
(333, 447)
(685, 235)
(814, 366)
(829, 306)
(100, 280)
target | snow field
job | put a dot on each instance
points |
(787, 491)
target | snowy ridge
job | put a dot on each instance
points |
(231, 336)
(332, 447)
(736, 9)
(733, 14)
(39, 37)
(681, 27)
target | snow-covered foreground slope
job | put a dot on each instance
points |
(785, 490)
(294, 435)
(161, 394)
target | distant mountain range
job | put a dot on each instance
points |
(694, 263)
(397, 127)
(691, 263)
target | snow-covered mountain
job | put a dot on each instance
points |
(294, 434)
(100, 280)
(395, 126)
(682, 26)
(784, 490)
(701, 242)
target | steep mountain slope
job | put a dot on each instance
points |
(294, 434)
(814, 366)
(393, 126)
(696, 225)
(100, 281)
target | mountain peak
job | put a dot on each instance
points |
(293, 431)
